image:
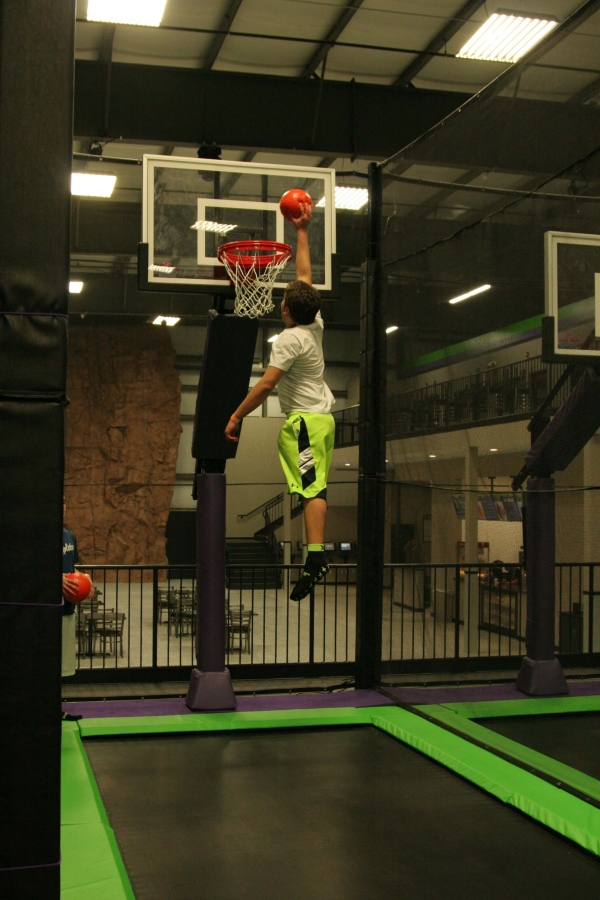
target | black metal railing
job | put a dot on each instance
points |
(144, 618)
(513, 391)
(141, 622)
(461, 612)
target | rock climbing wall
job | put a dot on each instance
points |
(123, 433)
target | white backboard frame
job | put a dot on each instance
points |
(203, 259)
(152, 161)
(552, 239)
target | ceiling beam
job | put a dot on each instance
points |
(438, 42)
(587, 93)
(219, 39)
(162, 105)
(329, 40)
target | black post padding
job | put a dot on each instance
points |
(371, 450)
(33, 349)
(540, 524)
(210, 561)
(31, 491)
(224, 379)
(30, 736)
(36, 145)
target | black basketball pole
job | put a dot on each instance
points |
(541, 673)
(226, 370)
(371, 451)
(210, 684)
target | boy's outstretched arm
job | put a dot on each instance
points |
(256, 396)
(303, 267)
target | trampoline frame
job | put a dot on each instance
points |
(90, 854)
(459, 716)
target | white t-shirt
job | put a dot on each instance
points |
(298, 352)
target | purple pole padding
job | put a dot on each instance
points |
(40, 605)
(540, 561)
(53, 315)
(210, 563)
(25, 868)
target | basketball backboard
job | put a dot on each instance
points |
(192, 206)
(572, 272)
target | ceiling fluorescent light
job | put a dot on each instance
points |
(83, 184)
(507, 36)
(479, 290)
(272, 340)
(166, 320)
(348, 198)
(75, 287)
(201, 225)
(391, 328)
(127, 12)
(163, 270)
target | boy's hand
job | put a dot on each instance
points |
(69, 588)
(302, 222)
(232, 430)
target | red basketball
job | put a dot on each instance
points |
(290, 203)
(83, 583)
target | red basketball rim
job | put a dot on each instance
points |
(236, 253)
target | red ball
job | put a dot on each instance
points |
(290, 203)
(83, 583)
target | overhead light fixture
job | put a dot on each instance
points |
(493, 449)
(166, 320)
(346, 464)
(272, 340)
(127, 12)
(391, 329)
(348, 198)
(432, 456)
(507, 36)
(163, 270)
(479, 290)
(75, 287)
(84, 184)
(201, 225)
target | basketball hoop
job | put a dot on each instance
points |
(253, 267)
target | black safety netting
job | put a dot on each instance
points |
(465, 211)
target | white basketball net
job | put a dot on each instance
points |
(254, 283)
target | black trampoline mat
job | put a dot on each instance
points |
(571, 738)
(345, 813)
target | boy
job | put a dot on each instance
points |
(306, 440)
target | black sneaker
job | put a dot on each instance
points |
(71, 717)
(307, 581)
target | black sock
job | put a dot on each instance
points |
(315, 559)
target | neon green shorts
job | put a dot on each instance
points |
(305, 449)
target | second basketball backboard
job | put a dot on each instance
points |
(572, 271)
(192, 206)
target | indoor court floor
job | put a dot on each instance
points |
(342, 795)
